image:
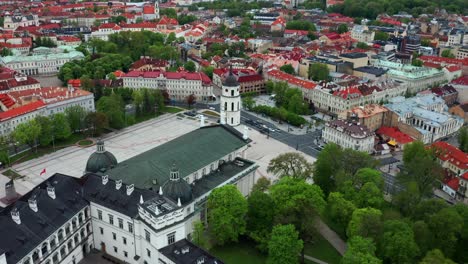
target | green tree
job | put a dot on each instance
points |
(96, 122)
(446, 226)
(27, 133)
(298, 203)
(260, 218)
(463, 139)
(380, 35)
(447, 54)
(301, 25)
(269, 86)
(61, 126)
(436, 257)
(340, 210)
(362, 45)
(76, 116)
(248, 102)
(47, 131)
(288, 68)
(137, 101)
(6, 52)
(417, 63)
(291, 164)
(227, 209)
(366, 222)
(261, 185)
(113, 107)
(327, 165)
(319, 72)
(420, 167)
(190, 66)
(342, 28)
(284, 245)
(208, 71)
(360, 250)
(460, 254)
(398, 245)
(198, 235)
(422, 236)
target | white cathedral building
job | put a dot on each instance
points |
(230, 108)
(137, 211)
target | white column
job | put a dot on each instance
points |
(40, 251)
(48, 246)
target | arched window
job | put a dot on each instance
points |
(232, 106)
(225, 105)
(232, 92)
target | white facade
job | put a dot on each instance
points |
(40, 63)
(179, 85)
(15, 21)
(67, 245)
(328, 100)
(230, 105)
(362, 34)
(339, 133)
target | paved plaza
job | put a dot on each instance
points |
(132, 141)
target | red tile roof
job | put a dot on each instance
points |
(395, 134)
(455, 156)
(465, 176)
(453, 183)
(21, 110)
(463, 80)
(291, 79)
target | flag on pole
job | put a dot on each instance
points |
(42, 172)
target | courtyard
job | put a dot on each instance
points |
(132, 141)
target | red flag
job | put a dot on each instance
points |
(42, 172)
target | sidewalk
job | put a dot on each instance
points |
(331, 237)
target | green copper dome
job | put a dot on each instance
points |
(101, 159)
(177, 188)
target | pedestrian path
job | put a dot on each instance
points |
(331, 237)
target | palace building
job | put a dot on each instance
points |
(140, 210)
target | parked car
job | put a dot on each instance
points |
(211, 108)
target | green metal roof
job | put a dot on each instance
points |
(189, 152)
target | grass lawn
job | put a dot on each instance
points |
(172, 110)
(211, 113)
(85, 142)
(41, 151)
(323, 250)
(243, 252)
(12, 174)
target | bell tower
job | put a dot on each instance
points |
(230, 101)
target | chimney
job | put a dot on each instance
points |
(10, 191)
(15, 215)
(160, 190)
(118, 184)
(105, 179)
(33, 203)
(245, 136)
(202, 120)
(51, 191)
(178, 202)
(141, 199)
(130, 189)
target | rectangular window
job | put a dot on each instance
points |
(124, 240)
(114, 236)
(120, 223)
(115, 249)
(99, 214)
(171, 238)
(148, 253)
(130, 227)
(101, 230)
(147, 236)
(126, 254)
(111, 219)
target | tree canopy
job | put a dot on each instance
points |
(227, 209)
(284, 245)
(291, 164)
